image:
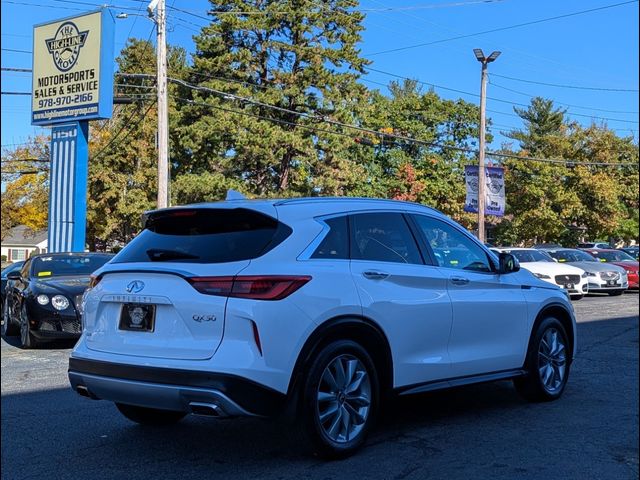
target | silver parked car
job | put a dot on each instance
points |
(602, 277)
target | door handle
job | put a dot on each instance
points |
(375, 275)
(459, 280)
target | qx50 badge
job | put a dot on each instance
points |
(204, 318)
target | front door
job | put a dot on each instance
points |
(489, 310)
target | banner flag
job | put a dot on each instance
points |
(494, 190)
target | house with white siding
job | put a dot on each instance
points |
(21, 242)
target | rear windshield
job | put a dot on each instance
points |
(204, 236)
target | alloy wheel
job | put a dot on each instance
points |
(24, 328)
(552, 360)
(6, 319)
(344, 398)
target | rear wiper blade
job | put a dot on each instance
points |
(158, 255)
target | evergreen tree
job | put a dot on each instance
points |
(299, 55)
(542, 122)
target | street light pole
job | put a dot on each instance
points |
(482, 181)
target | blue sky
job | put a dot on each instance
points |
(598, 50)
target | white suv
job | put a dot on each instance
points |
(318, 306)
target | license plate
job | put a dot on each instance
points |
(137, 317)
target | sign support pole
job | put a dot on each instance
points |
(68, 187)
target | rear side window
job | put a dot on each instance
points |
(204, 235)
(383, 237)
(335, 244)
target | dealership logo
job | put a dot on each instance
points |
(65, 45)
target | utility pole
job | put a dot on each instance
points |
(482, 180)
(163, 112)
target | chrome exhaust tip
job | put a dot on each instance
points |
(84, 391)
(206, 409)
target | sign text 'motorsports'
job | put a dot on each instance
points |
(73, 69)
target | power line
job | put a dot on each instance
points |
(315, 117)
(133, 111)
(72, 2)
(11, 69)
(561, 103)
(489, 98)
(15, 50)
(408, 140)
(601, 89)
(124, 125)
(500, 29)
(16, 93)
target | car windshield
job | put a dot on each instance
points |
(572, 256)
(605, 256)
(66, 265)
(11, 268)
(527, 256)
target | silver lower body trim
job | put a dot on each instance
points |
(154, 395)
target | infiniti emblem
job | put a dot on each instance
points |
(135, 286)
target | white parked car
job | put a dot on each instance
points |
(543, 266)
(318, 306)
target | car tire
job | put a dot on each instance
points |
(615, 293)
(576, 297)
(27, 340)
(150, 416)
(547, 363)
(340, 398)
(9, 328)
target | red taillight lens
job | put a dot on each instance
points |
(263, 287)
(213, 285)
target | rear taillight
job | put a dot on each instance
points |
(262, 287)
(94, 280)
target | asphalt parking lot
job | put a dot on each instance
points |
(482, 431)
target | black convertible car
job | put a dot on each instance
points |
(43, 297)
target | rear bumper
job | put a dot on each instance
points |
(173, 389)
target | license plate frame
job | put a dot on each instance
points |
(137, 317)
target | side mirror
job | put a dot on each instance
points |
(15, 275)
(508, 263)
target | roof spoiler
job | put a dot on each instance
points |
(234, 195)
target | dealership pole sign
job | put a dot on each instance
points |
(72, 84)
(494, 191)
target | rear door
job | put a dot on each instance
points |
(145, 302)
(406, 297)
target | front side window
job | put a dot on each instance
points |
(335, 244)
(383, 237)
(452, 248)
